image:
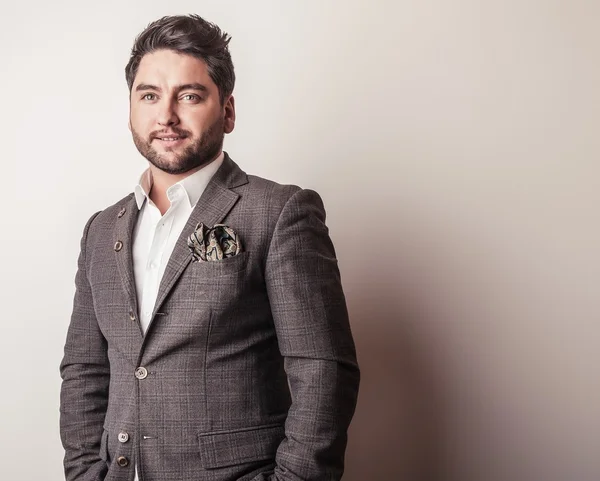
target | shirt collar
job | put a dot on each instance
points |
(193, 184)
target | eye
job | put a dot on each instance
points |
(191, 97)
(148, 97)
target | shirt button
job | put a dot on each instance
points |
(122, 461)
(141, 373)
(123, 437)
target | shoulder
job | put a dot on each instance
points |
(104, 220)
(259, 187)
(274, 196)
(258, 193)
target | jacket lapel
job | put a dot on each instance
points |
(123, 232)
(212, 207)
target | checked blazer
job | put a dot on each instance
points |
(248, 369)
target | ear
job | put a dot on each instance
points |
(229, 119)
(129, 114)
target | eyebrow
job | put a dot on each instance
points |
(191, 86)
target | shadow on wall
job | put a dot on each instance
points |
(396, 433)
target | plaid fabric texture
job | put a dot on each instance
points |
(248, 369)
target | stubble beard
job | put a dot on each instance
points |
(199, 153)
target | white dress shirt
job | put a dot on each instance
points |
(155, 236)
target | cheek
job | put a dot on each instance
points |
(140, 121)
(200, 117)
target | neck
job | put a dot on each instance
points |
(162, 180)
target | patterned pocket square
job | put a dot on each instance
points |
(214, 243)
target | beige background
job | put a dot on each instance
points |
(455, 146)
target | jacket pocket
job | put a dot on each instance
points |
(223, 267)
(221, 449)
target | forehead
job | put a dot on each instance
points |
(169, 67)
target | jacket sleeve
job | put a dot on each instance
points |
(84, 391)
(311, 321)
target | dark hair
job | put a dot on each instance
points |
(192, 35)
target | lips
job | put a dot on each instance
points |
(169, 139)
(172, 135)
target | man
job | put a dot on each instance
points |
(209, 338)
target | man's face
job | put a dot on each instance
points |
(175, 116)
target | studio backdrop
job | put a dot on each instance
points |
(455, 146)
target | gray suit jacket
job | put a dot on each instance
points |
(248, 368)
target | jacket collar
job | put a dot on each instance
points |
(193, 184)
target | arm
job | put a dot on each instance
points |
(84, 390)
(311, 321)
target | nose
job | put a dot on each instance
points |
(167, 114)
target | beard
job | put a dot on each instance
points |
(199, 153)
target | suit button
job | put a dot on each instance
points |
(123, 437)
(122, 461)
(132, 315)
(118, 245)
(141, 373)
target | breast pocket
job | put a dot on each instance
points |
(210, 284)
(225, 269)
